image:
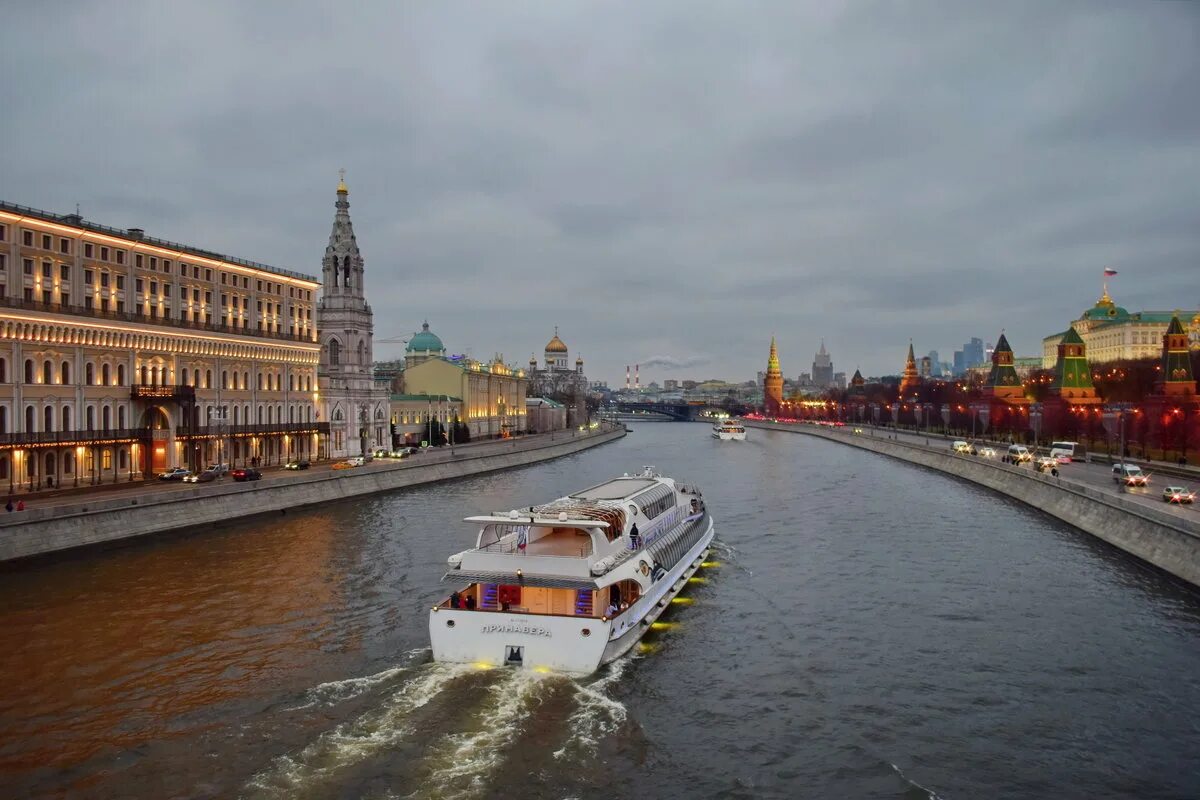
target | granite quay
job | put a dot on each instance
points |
(73, 522)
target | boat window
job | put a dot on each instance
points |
(656, 501)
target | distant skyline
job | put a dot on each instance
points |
(669, 183)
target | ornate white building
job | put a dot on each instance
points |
(355, 405)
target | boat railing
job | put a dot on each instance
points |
(510, 545)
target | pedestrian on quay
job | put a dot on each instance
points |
(9, 505)
(20, 505)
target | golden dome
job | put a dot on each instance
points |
(556, 345)
(342, 182)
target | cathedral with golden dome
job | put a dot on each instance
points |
(557, 379)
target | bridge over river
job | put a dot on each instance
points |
(865, 628)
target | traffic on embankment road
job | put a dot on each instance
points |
(71, 520)
(1164, 535)
(1095, 474)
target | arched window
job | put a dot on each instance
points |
(208, 379)
(245, 380)
(4, 467)
(29, 419)
(47, 372)
(3, 370)
(68, 463)
(106, 418)
(291, 413)
(66, 417)
(224, 379)
(335, 352)
(29, 370)
(235, 415)
(260, 415)
(362, 350)
(105, 375)
(291, 383)
(48, 418)
(90, 423)
(270, 414)
(66, 372)
(3, 419)
(335, 271)
(121, 417)
(145, 374)
(50, 464)
(120, 374)
(123, 458)
(185, 376)
(346, 272)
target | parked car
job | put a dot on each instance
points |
(176, 474)
(1179, 495)
(1130, 475)
(205, 476)
(246, 474)
(296, 465)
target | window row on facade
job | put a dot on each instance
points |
(59, 373)
(101, 417)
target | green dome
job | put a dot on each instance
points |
(425, 342)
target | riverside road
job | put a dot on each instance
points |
(865, 628)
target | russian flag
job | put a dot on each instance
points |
(1109, 272)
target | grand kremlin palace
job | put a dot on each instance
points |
(1113, 334)
(122, 355)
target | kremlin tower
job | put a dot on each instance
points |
(773, 384)
(911, 378)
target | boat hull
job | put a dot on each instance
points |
(727, 436)
(578, 645)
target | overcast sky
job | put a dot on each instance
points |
(665, 181)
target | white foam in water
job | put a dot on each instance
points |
(334, 692)
(932, 794)
(355, 741)
(596, 714)
(462, 764)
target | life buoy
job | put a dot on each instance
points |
(644, 568)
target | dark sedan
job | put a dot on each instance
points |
(246, 474)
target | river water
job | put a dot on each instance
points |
(870, 629)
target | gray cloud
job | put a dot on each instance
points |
(653, 178)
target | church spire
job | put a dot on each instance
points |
(342, 266)
(911, 379)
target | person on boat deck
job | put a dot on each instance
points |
(470, 602)
(611, 611)
(635, 538)
(455, 600)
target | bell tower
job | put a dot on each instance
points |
(353, 407)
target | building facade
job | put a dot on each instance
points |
(822, 368)
(1112, 333)
(123, 355)
(356, 406)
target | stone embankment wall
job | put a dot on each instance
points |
(1159, 538)
(51, 529)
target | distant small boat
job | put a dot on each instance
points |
(729, 430)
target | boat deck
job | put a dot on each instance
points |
(559, 542)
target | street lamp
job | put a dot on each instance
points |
(1035, 419)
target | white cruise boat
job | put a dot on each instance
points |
(575, 583)
(729, 429)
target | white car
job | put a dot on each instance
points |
(1130, 475)
(357, 461)
(987, 452)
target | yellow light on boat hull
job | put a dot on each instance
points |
(694, 579)
(663, 626)
(484, 665)
(683, 601)
(710, 564)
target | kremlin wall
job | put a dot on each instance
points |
(1144, 392)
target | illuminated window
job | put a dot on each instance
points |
(106, 455)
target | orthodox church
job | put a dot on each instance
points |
(558, 381)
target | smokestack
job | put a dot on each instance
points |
(626, 376)
(637, 379)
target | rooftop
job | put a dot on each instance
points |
(134, 236)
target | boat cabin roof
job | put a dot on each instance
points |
(549, 522)
(616, 489)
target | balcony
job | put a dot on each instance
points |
(139, 317)
(70, 438)
(213, 431)
(154, 391)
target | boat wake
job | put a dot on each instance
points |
(930, 793)
(443, 730)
